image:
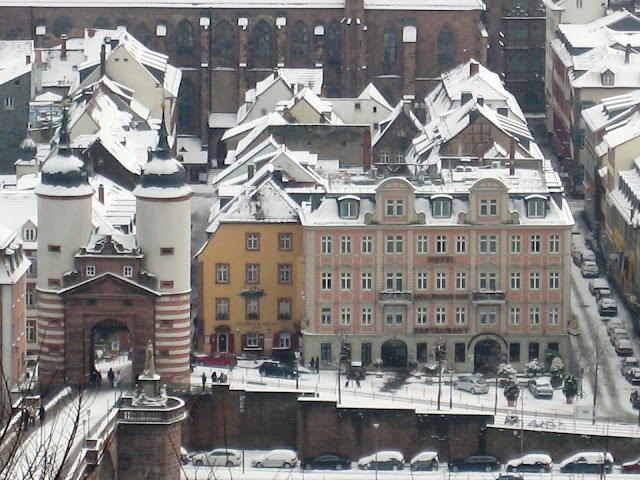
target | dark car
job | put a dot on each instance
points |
(326, 461)
(587, 462)
(276, 369)
(475, 463)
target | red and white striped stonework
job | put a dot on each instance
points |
(173, 337)
(50, 334)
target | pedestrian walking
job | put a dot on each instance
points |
(312, 365)
(346, 384)
(111, 376)
(118, 379)
(214, 377)
(25, 418)
(41, 414)
(204, 380)
(358, 382)
(317, 364)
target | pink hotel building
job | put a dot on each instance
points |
(476, 261)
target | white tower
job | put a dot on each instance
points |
(163, 229)
(64, 225)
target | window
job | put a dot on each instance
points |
(90, 270)
(366, 316)
(345, 316)
(30, 234)
(461, 316)
(30, 295)
(31, 331)
(326, 245)
(53, 282)
(345, 244)
(325, 352)
(441, 208)
(222, 273)
(222, 308)
(488, 243)
(8, 103)
(461, 280)
(459, 353)
(325, 316)
(534, 351)
(260, 45)
(345, 281)
(554, 280)
(487, 316)
(252, 305)
(395, 208)
(395, 244)
(422, 244)
(253, 241)
(534, 315)
(367, 244)
(554, 243)
(441, 244)
(441, 280)
(384, 157)
(394, 315)
(488, 281)
(534, 280)
(166, 251)
(488, 208)
(389, 53)
(422, 352)
(253, 340)
(422, 316)
(366, 281)
(515, 316)
(515, 244)
(284, 241)
(607, 81)
(284, 308)
(365, 355)
(223, 39)
(514, 352)
(127, 271)
(300, 41)
(253, 273)
(554, 315)
(422, 279)
(446, 47)
(535, 244)
(536, 208)
(185, 38)
(395, 281)
(349, 208)
(461, 244)
(54, 248)
(284, 340)
(284, 273)
(326, 280)
(515, 280)
(441, 315)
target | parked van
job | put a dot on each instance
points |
(587, 462)
(597, 284)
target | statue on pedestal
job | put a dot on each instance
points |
(149, 362)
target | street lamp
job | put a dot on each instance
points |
(439, 354)
(375, 435)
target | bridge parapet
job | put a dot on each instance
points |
(172, 412)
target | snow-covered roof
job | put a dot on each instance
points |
(590, 68)
(386, 124)
(611, 110)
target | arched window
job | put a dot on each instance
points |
(185, 38)
(260, 45)
(102, 22)
(333, 44)
(142, 35)
(300, 41)
(186, 112)
(61, 25)
(389, 55)
(223, 39)
(445, 47)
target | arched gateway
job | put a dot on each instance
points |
(394, 354)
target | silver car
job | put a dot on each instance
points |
(473, 384)
(218, 457)
(541, 387)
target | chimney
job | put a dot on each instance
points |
(366, 153)
(28, 60)
(63, 47)
(512, 152)
(512, 168)
(149, 154)
(474, 68)
(323, 119)
(101, 193)
(465, 97)
(251, 169)
(627, 53)
(480, 100)
(103, 58)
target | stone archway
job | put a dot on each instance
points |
(109, 339)
(487, 356)
(394, 354)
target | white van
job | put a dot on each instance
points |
(587, 462)
(279, 458)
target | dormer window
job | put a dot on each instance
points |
(536, 206)
(349, 206)
(608, 78)
(29, 234)
(441, 206)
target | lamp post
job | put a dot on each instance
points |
(439, 355)
(495, 401)
(375, 435)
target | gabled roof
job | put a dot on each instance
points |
(370, 91)
(611, 110)
(588, 68)
(108, 277)
(13, 59)
(386, 124)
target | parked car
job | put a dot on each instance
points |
(276, 369)
(185, 457)
(540, 388)
(425, 461)
(385, 460)
(632, 375)
(607, 306)
(216, 360)
(218, 457)
(326, 461)
(475, 463)
(587, 462)
(627, 363)
(581, 255)
(471, 383)
(533, 462)
(618, 334)
(631, 467)
(279, 458)
(603, 293)
(613, 324)
(596, 285)
(589, 269)
(624, 347)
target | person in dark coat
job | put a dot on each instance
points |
(214, 377)
(41, 414)
(111, 376)
(317, 364)
(204, 380)
(312, 365)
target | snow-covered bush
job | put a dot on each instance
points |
(533, 368)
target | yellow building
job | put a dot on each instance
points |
(251, 275)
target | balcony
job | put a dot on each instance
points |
(395, 297)
(489, 296)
